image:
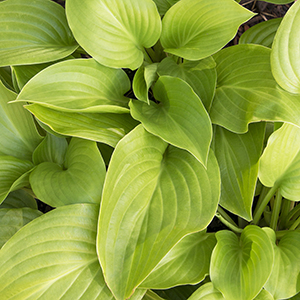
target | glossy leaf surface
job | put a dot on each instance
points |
(115, 32)
(154, 194)
(79, 180)
(280, 162)
(180, 118)
(195, 29)
(286, 51)
(33, 32)
(247, 92)
(241, 266)
(207, 292)
(238, 156)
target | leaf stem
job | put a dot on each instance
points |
(223, 213)
(295, 225)
(276, 210)
(261, 207)
(285, 209)
(148, 58)
(234, 228)
(261, 197)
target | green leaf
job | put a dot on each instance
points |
(178, 293)
(115, 32)
(150, 295)
(19, 199)
(285, 51)
(154, 194)
(247, 92)
(13, 175)
(278, 1)
(207, 292)
(79, 85)
(12, 219)
(19, 136)
(164, 5)
(6, 77)
(280, 163)
(54, 257)
(187, 263)
(33, 32)
(200, 75)
(180, 118)
(79, 180)
(195, 29)
(238, 156)
(241, 266)
(106, 128)
(284, 281)
(264, 295)
(144, 77)
(262, 33)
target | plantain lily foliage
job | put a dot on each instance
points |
(142, 131)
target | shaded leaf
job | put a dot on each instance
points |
(164, 5)
(178, 293)
(207, 292)
(19, 199)
(6, 77)
(150, 295)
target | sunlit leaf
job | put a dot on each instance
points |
(19, 199)
(115, 32)
(247, 92)
(264, 295)
(180, 118)
(240, 266)
(33, 32)
(207, 292)
(79, 180)
(195, 29)
(154, 194)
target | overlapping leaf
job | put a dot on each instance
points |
(238, 156)
(195, 29)
(241, 266)
(187, 263)
(150, 295)
(115, 32)
(79, 85)
(207, 292)
(286, 51)
(33, 32)
(154, 194)
(19, 199)
(5, 77)
(79, 180)
(280, 162)
(164, 5)
(247, 92)
(180, 118)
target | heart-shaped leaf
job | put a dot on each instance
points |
(200, 75)
(154, 194)
(280, 163)
(285, 51)
(247, 92)
(238, 156)
(284, 281)
(187, 263)
(195, 29)
(115, 32)
(106, 128)
(12, 219)
(19, 199)
(180, 118)
(33, 32)
(79, 180)
(207, 292)
(241, 266)
(19, 136)
(79, 85)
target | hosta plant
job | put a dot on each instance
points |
(135, 122)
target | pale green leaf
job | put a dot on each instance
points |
(54, 257)
(280, 163)
(164, 5)
(180, 118)
(154, 194)
(264, 295)
(284, 281)
(200, 75)
(115, 32)
(79, 85)
(187, 263)
(262, 33)
(207, 292)
(195, 29)
(12, 219)
(285, 55)
(240, 266)
(79, 180)
(238, 156)
(13, 175)
(247, 92)
(33, 32)
(19, 136)
(106, 128)
(19, 199)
